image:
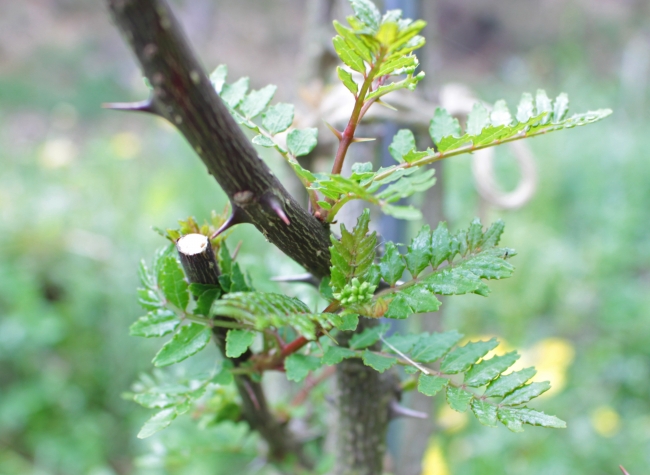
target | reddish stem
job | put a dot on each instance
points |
(294, 346)
(348, 134)
(310, 384)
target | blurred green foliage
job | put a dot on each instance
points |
(80, 189)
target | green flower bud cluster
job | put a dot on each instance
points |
(356, 293)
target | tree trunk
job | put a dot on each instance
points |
(364, 396)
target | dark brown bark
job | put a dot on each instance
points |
(183, 94)
(202, 268)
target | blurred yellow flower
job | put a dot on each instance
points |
(450, 420)
(606, 421)
(434, 462)
(552, 357)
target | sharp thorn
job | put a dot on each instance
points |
(298, 279)
(388, 106)
(329, 336)
(400, 411)
(276, 206)
(141, 106)
(234, 218)
(338, 134)
(623, 470)
(235, 253)
(361, 139)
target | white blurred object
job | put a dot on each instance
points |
(459, 100)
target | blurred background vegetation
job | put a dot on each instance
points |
(80, 188)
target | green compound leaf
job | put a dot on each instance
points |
(237, 342)
(492, 236)
(419, 252)
(508, 383)
(354, 41)
(408, 185)
(443, 125)
(298, 366)
(233, 94)
(391, 264)
(454, 281)
(482, 373)
(339, 188)
(432, 347)
(353, 255)
(157, 422)
(348, 55)
(347, 80)
(205, 295)
(526, 108)
(403, 143)
(408, 39)
(403, 343)
(378, 362)
(368, 337)
(485, 412)
(225, 260)
(154, 324)
(513, 418)
(146, 278)
(218, 77)
(278, 118)
(399, 65)
(387, 33)
(430, 385)
(345, 321)
(413, 299)
(463, 357)
(560, 107)
(458, 399)
(266, 309)
(364, 186)
(510, 419)
(500, 115)
(149, 299)
(543, 104)
(335, 354)
(477, 119)
(263, 141)
(367, 13)
(256, 101)
(302, 141)
(474, 235)
(488, 265)
(189, 340)
(155, 400)
(526, 393)
(171, 280)
(411, 370)
(440, 242)
(408, 212)
(490, 128)
(410, 83)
